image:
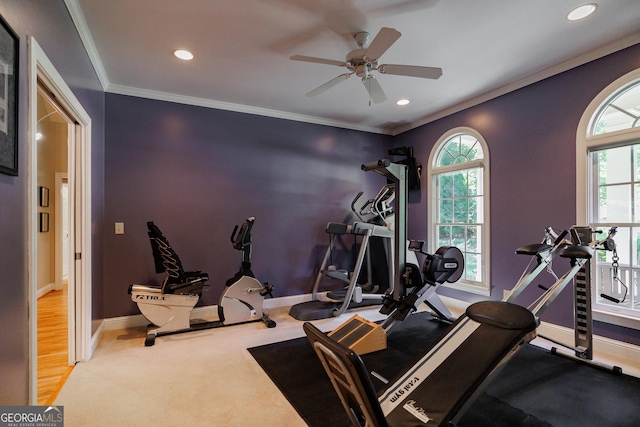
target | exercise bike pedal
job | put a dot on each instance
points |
(267, 288)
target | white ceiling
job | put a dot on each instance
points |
(242, 50)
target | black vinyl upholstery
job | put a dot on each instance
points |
(166, 260)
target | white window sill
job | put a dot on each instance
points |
(619, 319)
(476, 290)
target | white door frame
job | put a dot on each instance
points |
(80, 348)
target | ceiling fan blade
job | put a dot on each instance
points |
(375, 90)
(411, 70)
(317, 60)
(383, 41)
(328, 85)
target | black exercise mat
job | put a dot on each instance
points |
(536, 388)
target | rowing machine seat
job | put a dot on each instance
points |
(533, 249)
(576, 252)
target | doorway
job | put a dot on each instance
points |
(53, 285)
(60, 150)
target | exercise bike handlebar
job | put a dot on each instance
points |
(242, 238)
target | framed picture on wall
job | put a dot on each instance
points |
(44, 197)
(44, 222)
(9, 50)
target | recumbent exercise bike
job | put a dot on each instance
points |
(169, 306)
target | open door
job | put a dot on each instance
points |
(44, 78)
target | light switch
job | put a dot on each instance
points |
(119, 227)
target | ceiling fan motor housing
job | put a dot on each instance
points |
(357, 63)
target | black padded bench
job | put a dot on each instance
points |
(442, 384)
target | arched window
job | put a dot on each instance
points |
(608, 194)
(458, 176)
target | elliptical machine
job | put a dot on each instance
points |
(169, 306)
(371, 278)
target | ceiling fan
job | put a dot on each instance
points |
(364, 60)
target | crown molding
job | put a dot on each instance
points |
(549, 72)
(85, 35)
(238, 108)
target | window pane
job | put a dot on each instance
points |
(473, 267)
(473, 239)
(444, 236)
(473, 210)
(473, 187)
(458, 237)
(615, 166)
(445, 185)
(636, 203)
(460, 184)
(445, 159)
(635, 247)
(459, 149)
(620, 113)
(615, 203)
(460, 211)
(446, 211)
(477, 214)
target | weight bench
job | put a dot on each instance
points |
(438, 389)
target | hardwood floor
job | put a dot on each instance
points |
(53, 344)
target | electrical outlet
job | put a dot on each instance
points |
(119, 227)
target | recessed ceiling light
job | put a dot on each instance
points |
(183, 54)
(581, 12)
(38, 136)
(403, 102)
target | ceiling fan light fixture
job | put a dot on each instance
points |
(582, 12)
(402, 102)
(185, 55)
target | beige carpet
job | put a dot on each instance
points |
(204, 378)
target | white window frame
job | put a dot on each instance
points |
(483, 287)
(585, 144)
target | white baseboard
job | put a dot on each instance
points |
(287, 301)
(605, 349)
(95, 339)
(210, 311)
(45, 290)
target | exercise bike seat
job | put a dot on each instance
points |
(178, 281)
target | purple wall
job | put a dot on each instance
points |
(531, 135)
(49, 22)
(196, 172)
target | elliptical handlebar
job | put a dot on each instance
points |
(383, 163)
(353, 206)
